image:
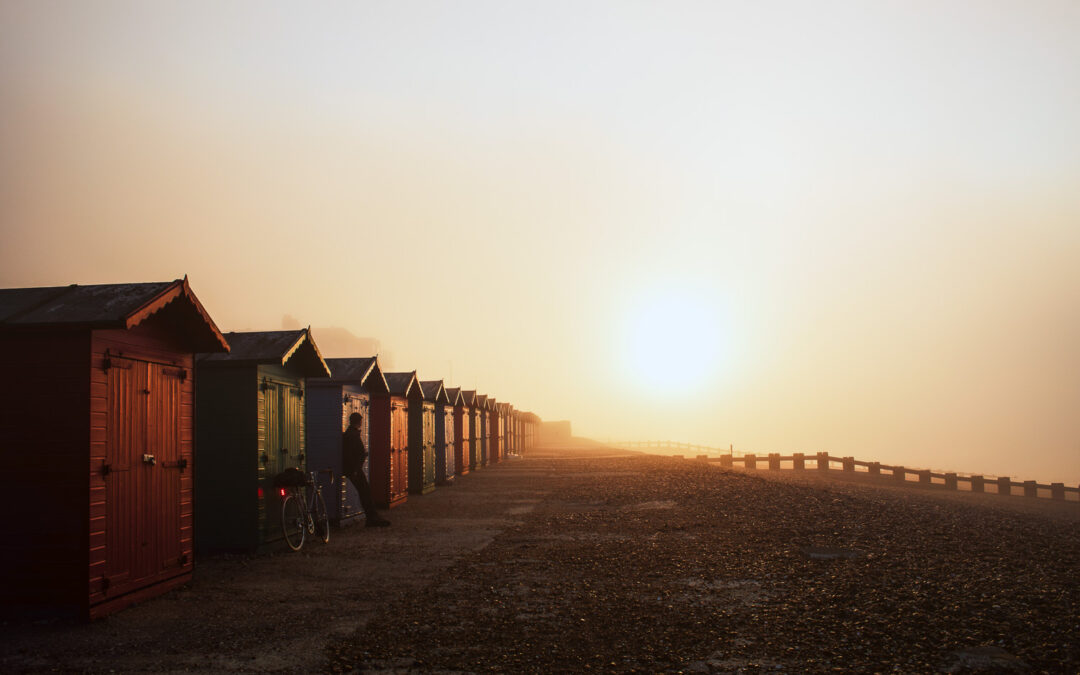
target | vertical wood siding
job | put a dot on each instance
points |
(444, 443)
(326, 411)
(474, 436)
(461, 440)
(141, 516)
(389, 455)
(282, 430)
(399, 484)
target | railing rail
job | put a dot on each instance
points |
(822, 461)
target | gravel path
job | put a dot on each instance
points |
(594, 560)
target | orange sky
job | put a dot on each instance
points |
(831, 226)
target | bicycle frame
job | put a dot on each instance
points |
(303, 511)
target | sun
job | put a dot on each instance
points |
(673, 341)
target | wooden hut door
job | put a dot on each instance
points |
(399, 466)
(429, 443)
(163, 485)
(448, 434)
(283, 411)
(292, 431)
(142, 514)
(359, 404)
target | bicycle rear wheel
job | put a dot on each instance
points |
(322, 521)
(293, 523)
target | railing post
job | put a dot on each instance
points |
(1031, 488)
(899, 474)
(1004, 486)
(950, 481)
(823, 461)
(848, 463)
(1057, 490)
(924, 477)
(774, 460)
(750, 461)
(798, 461)
(978, 484)
(725, 461)
(874, 469)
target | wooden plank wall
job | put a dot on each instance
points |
(462, 440)
(143, 343)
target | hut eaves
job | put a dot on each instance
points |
(434, 391)
(275, 347)
(364, 372)
(405, 385)
(100, 306)
(453, 396)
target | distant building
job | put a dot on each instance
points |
(555, 431)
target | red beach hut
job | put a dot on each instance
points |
(99, 434)
(389, 454)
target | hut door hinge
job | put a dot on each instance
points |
(183, 560)
(114, 361)
(106, 469)
(105, 583)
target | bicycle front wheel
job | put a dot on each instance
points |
(322, 521)
(293, 523)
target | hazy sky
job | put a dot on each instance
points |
(843, 226)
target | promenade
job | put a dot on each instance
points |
(601, 560)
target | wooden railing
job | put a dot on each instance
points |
(822, 461)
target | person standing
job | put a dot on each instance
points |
(353, 454)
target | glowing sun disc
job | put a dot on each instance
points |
(673, 341)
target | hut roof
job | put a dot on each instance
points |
(113, 306)
(405, 384)
(361, 371)
(469, 397)
(453, 395)
(293, 349)
(434, 391)
(482, 402)
(504, 408)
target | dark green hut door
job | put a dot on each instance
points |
(283, 410)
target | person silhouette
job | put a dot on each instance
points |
(353, 454)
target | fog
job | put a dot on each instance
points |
(794, 227)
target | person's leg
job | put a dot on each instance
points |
(364, 490)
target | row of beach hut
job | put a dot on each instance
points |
(136, 435)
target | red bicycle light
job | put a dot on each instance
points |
(261, 494)
(282, 492)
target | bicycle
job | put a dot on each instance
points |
(302, 514)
